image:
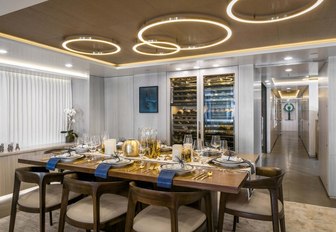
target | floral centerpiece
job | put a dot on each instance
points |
(70, 117)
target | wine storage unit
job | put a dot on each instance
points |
(183, 104)
(219, 108)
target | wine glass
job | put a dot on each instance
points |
(215, 141)
(188, 139)
(223, 146)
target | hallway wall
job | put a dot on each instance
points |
(327, 114)
(273, 120)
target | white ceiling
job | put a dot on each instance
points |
(9, 6)
(270, 63)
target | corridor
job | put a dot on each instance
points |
(301, 182)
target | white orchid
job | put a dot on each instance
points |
(70, 114)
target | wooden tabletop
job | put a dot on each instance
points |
(224, 180)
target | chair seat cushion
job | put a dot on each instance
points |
(111, 206)
(260, 203)
(53, 197)
(157, 219)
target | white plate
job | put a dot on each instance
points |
(177, 167)
(67, 157)
(118, 163)
(227, 163)
(231, 160)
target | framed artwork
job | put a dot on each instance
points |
(148, 99)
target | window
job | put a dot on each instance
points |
(32, 107)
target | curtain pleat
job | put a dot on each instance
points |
(32, 107)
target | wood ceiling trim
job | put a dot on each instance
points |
(241, 52)
(36, 44)
(232, 53)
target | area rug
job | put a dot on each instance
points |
(299, 217)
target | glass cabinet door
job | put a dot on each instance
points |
(219, 108)
(183, 104)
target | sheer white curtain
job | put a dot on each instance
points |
(32, 107)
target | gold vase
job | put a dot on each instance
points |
(131, 148)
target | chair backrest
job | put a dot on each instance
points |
(37, 175)
(169, 199)
(90, 185)
(267, 178)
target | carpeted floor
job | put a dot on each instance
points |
(299, 217)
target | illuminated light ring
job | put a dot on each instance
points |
(185, 19)
(176, 48)
(273, 20)
(74, 39)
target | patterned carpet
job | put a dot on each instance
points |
(299, 217)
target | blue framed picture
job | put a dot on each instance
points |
(148, 99)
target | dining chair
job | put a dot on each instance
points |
(261, 205)
(167, 210)
(103, 206)
(45, 198)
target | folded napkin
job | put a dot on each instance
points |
(102, 170)
(52, 162)
(165, 178)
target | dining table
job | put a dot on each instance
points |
(214, 178)
(203, 175)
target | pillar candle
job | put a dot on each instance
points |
(110, 146)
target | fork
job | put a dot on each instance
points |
(206, 176)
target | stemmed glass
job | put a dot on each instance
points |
(188, 139)
(92, 144)
(143, 140)
(215, 141)
(223, 146)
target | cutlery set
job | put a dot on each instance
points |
(203, 175)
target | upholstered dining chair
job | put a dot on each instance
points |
(266, 206)
(167, 210)
(103, 206)
(45, 198)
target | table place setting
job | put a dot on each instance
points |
(67, 156)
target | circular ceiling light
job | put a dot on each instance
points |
(91, 45)
(172, 46)
(269, 18)
(186, 19)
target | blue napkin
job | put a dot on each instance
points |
(165, 178)
(102, 170)
(52, 162)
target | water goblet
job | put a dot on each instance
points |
(215, 141)
(188, 139)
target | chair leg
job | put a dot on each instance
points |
(15, 199)
(208, 209)
(283, 224)
(64, 204)
(174, 220)
(235, 220)
(50, 218)
(222, 203)
(275, 211)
